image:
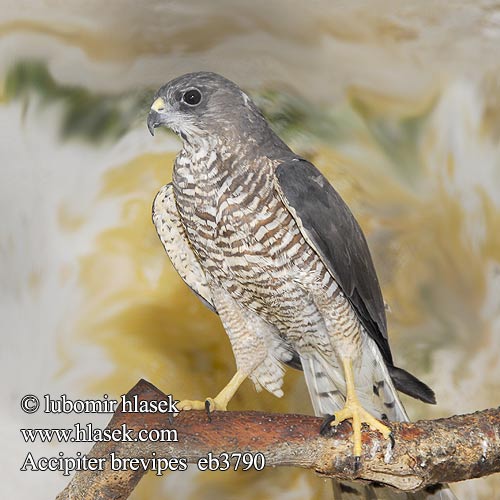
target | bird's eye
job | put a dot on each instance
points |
(192, 97)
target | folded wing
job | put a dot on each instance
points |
(172, 234)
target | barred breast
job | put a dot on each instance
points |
(249, 244)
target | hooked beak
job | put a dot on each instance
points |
(156, 115)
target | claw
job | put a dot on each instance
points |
(326, 426)
(208, 404)
(207, 409)
(219, 403)
(354, 410)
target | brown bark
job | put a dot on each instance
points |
(424, 453)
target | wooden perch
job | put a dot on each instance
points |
(425, 452)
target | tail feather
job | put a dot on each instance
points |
(409, 384)
(325, 383)
(376, 392)
(375, 387)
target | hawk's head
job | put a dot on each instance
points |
(203, 104)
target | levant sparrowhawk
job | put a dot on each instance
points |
(260, 235)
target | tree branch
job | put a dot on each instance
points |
(424, 452)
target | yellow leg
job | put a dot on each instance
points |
(220, 401)
(354, 410)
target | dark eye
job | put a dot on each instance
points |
(192, 97)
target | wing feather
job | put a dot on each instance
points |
(330, 228)
(172, 234)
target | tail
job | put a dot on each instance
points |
(376, 392)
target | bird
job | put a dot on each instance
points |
(264, 240)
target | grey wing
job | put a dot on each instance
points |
(329, 227)
(172, 234)
(331, 230)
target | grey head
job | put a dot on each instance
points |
(201, 105)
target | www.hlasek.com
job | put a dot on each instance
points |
(88, 433)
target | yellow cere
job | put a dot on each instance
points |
(159, 104)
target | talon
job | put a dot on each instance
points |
(208, 404)
(207, 409)
(354, 410)
(393, 441)
(327, 424)
(219, 403)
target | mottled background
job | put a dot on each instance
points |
(397, 102)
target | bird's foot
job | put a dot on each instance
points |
(353, 410)
(220, 402)
(209, 404)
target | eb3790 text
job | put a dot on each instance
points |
(233, 461)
